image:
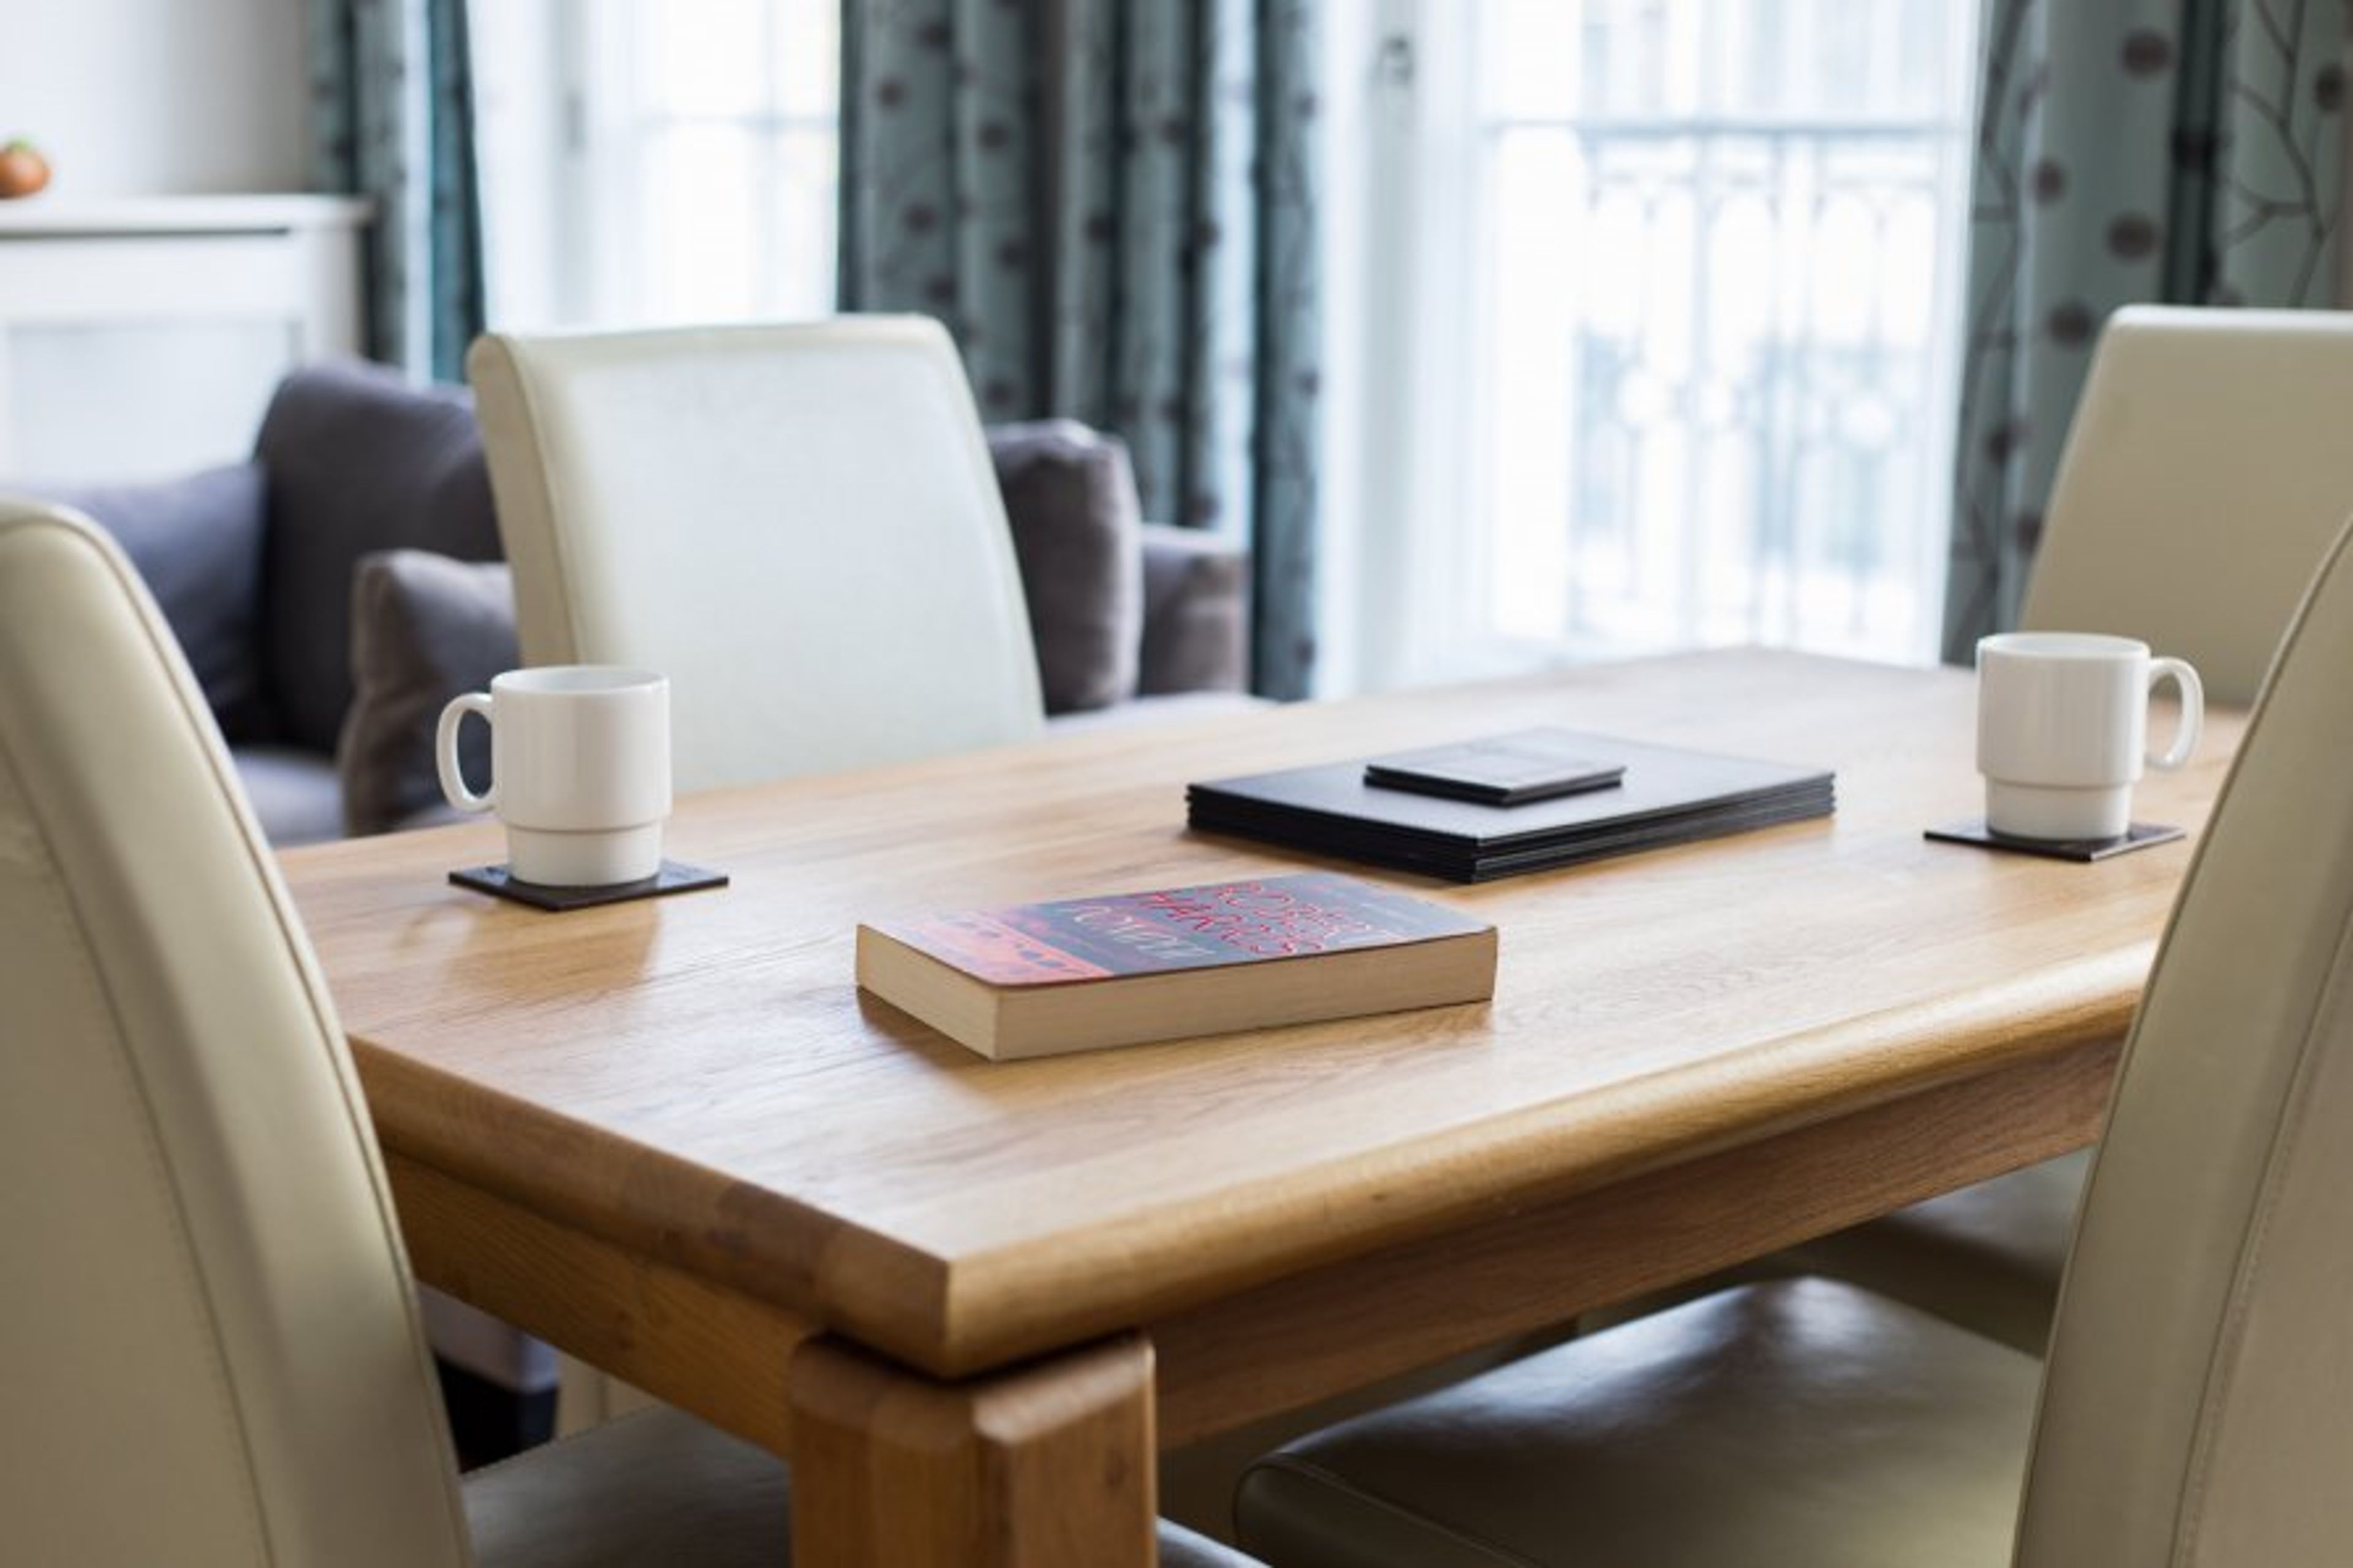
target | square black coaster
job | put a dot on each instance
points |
(2139, 836)
(673, 877)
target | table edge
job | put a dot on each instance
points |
(956, 1317)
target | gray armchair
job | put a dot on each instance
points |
(258, 569)
(252, 565)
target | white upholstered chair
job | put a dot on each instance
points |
(798, 525)
(2205, 473)
(208, 1335)
(2197, 1406)
(2207, 470)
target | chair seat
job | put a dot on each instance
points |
(661, 1488)
(1988, 1256)
(1802, 1422)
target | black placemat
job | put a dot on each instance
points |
(2139, 836)
(673, 877)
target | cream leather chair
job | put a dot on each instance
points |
(2197, 1407)
(208, 1336)
(2205, 473)
(798, 525)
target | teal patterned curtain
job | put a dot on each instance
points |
(1110, 202)
(391, 116)
(2181, 151)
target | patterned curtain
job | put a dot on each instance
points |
(391, 115)
(2182, 151)
(1110, 202)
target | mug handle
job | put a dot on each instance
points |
(445, 753)
(2193, 711)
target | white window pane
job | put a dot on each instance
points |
(1538, 274)
(1720, 236)
(807, 58)
(1531, 55)
(800, 274)
(679, 164)
(707, 56)
(699, 206)
(1745, 77)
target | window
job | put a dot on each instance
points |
(659, 161)
(1682, 278)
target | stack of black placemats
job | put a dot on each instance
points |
(1667, 796)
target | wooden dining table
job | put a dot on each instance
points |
(969, 1299)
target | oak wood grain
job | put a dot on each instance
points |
(697, 1081)
(1049, 1466)
(715, 1351)
(1313, 1335)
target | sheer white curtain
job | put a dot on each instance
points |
(658, 160)
(1653, 314)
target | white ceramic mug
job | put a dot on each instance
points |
(2063, 723)
(580, 770)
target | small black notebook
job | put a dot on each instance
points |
(1666, 796)
(1501, 770)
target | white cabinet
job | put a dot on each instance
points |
(141, 338)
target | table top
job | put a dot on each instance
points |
(698, 1077)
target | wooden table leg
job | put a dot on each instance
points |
(1049, 1466)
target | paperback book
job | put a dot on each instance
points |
(1035, 980)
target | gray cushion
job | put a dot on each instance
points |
(656, 1486)
(358, 460)
(1801, 1423)
(1071, 498)
(423, 628)
(1196, 612)
(196, 542)
(662, 1488)
(294, 794)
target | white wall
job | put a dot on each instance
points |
(159, 97)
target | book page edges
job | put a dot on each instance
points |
(964, 1008)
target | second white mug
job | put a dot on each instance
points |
(2063, 721)
(580, 770)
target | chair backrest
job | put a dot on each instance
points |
(2198, 1406)
(208, 1345)
(2207, 470)
(799, 524)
